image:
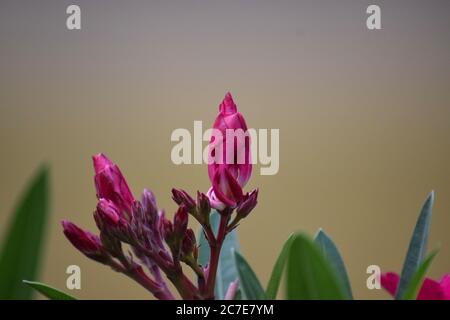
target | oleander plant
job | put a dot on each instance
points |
(138, 239)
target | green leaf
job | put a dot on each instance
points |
(226, 269)
(309, 276)
(278, 268)
(417, 246)
(417, 279)
(22, 245)
(251, 289)
(332, 255)
(238, 295)
(49, 292)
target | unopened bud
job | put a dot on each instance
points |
(189, 243)
(107, 216)
(86, 242)
(180, 221)
(167, 230)
(181, 197)
(203, 206)
(248, 204)
(149, 205)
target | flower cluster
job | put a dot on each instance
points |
(161, 246)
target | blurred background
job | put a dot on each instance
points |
(364, 117)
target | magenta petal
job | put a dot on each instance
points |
(100, 162)
(389, 281)
(227, 106)
(235, 121)
(445, 285)
(226, 188)
(214, 202)
(430, 290)
(108, 214)
(245, 171)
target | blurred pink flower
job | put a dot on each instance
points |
(430, 289)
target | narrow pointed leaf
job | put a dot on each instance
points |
(226, 269)
(417, 279)
(22, 246)
(332, 255)
(417, 246)
(278, 268)
(308, 274)
(49, 292)
(251, 288)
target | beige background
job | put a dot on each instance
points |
(364, 117)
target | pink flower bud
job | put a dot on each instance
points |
(107, 215)
(203, 204)
(189, 243)
(84, 241)
(248, 204)
(180, 221)
(149, 208)
(167, 229)
(181, 197)
(111, 184)
(229, 119)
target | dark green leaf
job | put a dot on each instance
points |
(309, 276)
(417, 279)
(226, 270)
(332, 255)
(238, 295)
(278, 268)
(417, 246)
(49, 292)
(251, 289)
(22, 245)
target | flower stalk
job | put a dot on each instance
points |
(215, 244)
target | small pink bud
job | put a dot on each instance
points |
(84, 241)
(180, 221)
(181, 197)
(189, 243)
(111, 184)
(149, 207)
(107, 215)
(248, 204)
(148, 201)
(167, 228)
(203, 204)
